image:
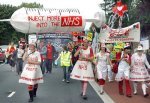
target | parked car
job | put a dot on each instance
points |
(4, 47)
(2, 55)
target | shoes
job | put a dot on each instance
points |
(64, 80)
(121, 93)
(67, 81)
(84, 97)
(146, 95)
(48, 72)
(135, 93)
(110, 81)
(102, 92)
(30, 100)
(129, 95)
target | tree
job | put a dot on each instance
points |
(7, 32)
(5, 28)
(31, 5)
(138, 11)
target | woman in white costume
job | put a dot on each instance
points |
(124, 71)
(83, 68)
(102, 58)
(32, 74)
(139, 72)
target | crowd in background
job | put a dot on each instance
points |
(80, 62)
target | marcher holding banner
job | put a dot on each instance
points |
(110, 72)
(102, 58)
(32, 74)
(83, 68)
(124, 71)
(139, 72)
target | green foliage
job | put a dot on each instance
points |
(7, 32)
(31, 5)
(138, 11)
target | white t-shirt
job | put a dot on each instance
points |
(123, 64)
(102, 59)
(20, 53)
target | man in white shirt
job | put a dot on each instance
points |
(18, 54)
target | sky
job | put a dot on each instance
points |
(57, 3)
(87, 6)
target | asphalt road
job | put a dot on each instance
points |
(53, 90)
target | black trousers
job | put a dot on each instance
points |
(49, 65)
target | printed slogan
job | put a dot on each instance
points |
(53, 21)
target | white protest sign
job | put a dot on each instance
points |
(32, 38)
(145, 44)
(127, 34)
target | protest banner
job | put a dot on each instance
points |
(127, 34)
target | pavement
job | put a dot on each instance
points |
(53, 90)
(111, 88)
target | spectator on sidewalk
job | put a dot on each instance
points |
(101, 66)
(139, 71)
(124, 71)
(83, 68)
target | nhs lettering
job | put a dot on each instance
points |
(71, 21)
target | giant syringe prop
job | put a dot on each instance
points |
(40, 20)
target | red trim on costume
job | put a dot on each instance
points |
(29, 79)
(88, 77)
(77, 76)
(140, 78)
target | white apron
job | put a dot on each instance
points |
(138, 70)
(123, 70)
(102, 66)
(32, 74)
(83, 69)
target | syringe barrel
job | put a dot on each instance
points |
(39, 20)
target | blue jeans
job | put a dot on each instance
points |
(19, 65)
(67, 71)
(49, 65)
(43, 66)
